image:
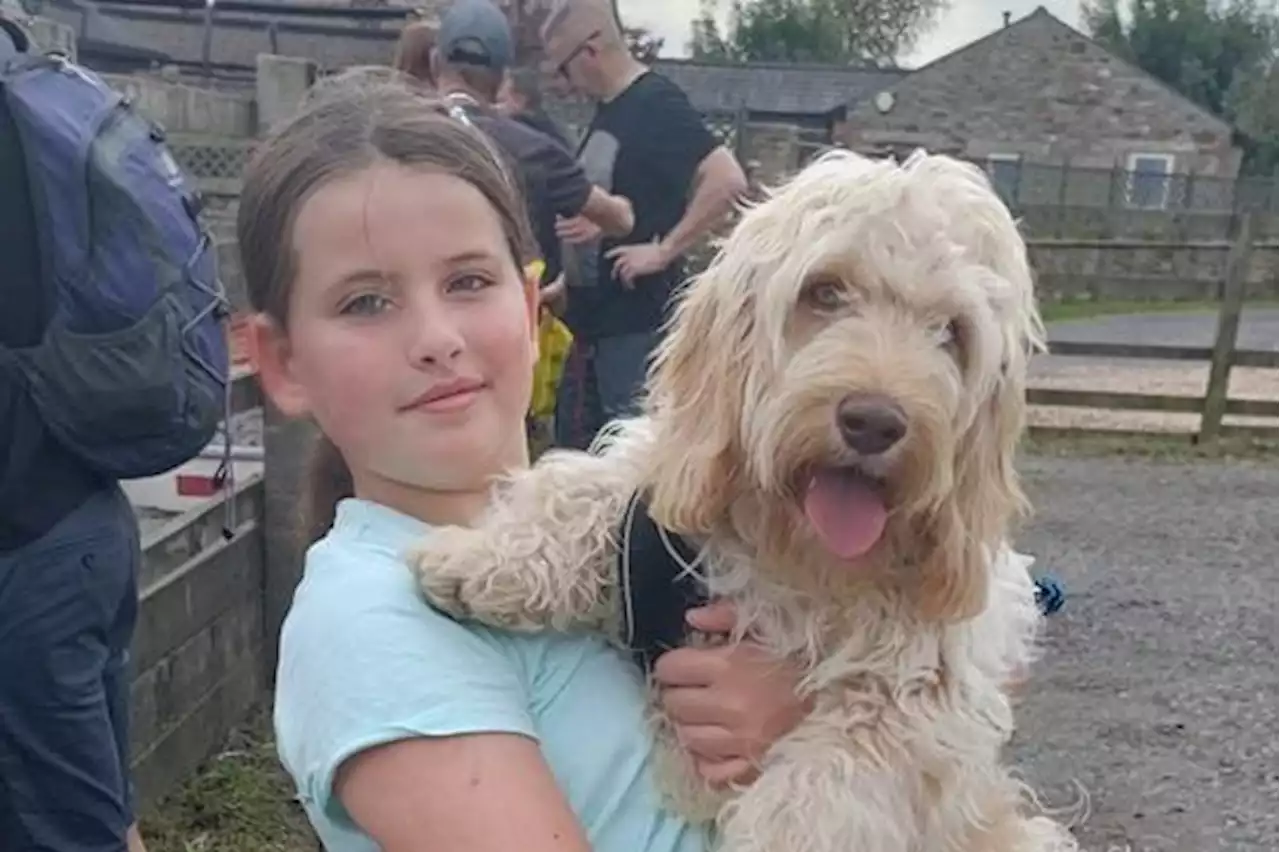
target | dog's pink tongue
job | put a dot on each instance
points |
(847, 513)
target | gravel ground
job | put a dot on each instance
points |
(1157, 693)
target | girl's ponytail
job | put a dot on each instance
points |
(328, 482)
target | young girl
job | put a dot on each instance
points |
(383, 244)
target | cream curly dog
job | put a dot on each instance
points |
(833, 417)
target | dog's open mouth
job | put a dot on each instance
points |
(846, 507)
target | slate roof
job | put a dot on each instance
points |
(907, 80)
(776, 87)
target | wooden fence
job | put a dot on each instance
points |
(1222, 356)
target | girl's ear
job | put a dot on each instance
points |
(273, 359)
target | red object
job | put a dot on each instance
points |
(240, 341)
(193, 485)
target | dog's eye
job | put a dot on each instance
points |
(825, 294)
(948, 336)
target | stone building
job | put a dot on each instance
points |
(1036, 91)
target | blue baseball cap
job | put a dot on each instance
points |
(475, 32)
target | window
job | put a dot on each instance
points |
(1006, 175)
(1147, 186)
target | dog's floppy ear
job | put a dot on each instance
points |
(973, 522)
(696, 398)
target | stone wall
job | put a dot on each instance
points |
(1124, 271)
(186, 109)
(1039, 89)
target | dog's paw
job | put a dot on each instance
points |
(439, 581)
(455, 579)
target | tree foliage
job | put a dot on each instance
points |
(1222, 55)
(838, 31)
(643, 44)
(1199, 47)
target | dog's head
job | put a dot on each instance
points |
(854, 361)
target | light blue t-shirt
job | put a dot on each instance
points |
(364, 661)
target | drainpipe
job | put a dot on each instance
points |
(206, 52)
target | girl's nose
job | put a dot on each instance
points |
(435, 337)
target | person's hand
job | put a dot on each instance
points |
(730, 703)
(637, 261)
(549, 293)
(576, 230)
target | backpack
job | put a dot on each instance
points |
(664, 585)
(132, 372)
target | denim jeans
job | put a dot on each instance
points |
(68, 606)
(602, 382)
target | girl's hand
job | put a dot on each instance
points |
(729, 704)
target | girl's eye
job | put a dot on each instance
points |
(469, 283)
(367, 304)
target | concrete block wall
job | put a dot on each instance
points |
(184, 108)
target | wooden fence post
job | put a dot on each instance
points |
(1233, 292)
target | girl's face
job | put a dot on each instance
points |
(411, 336)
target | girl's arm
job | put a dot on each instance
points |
(474, 793)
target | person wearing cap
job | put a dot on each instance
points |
(69, 555)
(647, 142)
(473, 48)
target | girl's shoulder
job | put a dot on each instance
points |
(360, 592)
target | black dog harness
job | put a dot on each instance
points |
(657, 584)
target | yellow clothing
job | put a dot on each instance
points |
(554, 340)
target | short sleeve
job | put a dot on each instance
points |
(679, 139)
(364, 662)
(566, 184)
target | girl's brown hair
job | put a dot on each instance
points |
(413, 50)
(345, 125)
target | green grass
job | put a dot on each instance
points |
(1087, 308)
(1154, 447)
(240, 801)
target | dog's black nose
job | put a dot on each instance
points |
(870, 424)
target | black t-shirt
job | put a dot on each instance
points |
(646, 144)
(554, 183)
(40, 482)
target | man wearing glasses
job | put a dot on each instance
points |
(647, 143)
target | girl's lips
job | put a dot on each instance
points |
(451, 396)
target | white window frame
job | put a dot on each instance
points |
(1131, 172)
(1004, 157)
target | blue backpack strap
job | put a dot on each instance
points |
(1051, 595)
(13, 39)
(656, 584)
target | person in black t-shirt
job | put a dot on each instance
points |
(472, 50)
(69, 558)
(648, 143)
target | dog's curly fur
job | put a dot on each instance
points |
(906, 281)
